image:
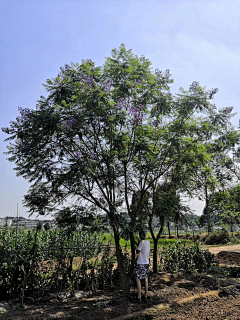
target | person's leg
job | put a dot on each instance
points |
(139, 288)
(146, 287)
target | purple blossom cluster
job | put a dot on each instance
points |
(88, 80)
(211, 93)
(107, 85)
(66, 67)
(25, 117)
(136, 112)
(68, 124)
(121, 104)
(194, 85)
(158, 72)
(93, 156)
(227, 110)
(165, 75)
(79, 154)
(5, 129)
(24, 147)
(138, 82)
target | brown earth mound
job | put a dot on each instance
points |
(229, 257)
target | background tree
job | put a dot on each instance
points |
(217, 174)
(225, 205)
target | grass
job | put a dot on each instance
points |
(109, 239)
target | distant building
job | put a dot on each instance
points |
(5, 222)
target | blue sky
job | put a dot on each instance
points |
(196, 40)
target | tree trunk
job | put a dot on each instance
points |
(169, 231)
(209, 224)
(155, 242)
(126, 284)
(126, 275)
(177, 231)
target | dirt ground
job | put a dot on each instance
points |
(217, 249)
(172, 296)
(227, 254)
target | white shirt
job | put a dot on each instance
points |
(144, 250)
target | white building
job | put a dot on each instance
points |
(5, 222)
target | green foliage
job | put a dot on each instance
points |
(188, 259)
(226, 206)
(221, 237)
(34, 263)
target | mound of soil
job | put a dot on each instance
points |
(229, 257)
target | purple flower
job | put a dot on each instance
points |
(88, 80)
(211, 93)
(158, 72)
(194, 85)
(25, 113)
(138, 82)
(121, 104)
(24, 147)
(68, 124)
(6, 130)
(107, 85)
(136, 112)
(79, 154)
(63, 69)
(93, 156)
(227, 110)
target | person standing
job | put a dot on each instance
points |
(143, 264)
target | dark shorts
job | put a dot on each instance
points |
(142, 271)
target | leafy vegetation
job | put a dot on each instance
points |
(179, 257)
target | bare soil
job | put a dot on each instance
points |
(227, 254)
(215, 250)
(171, 296)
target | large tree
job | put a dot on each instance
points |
(104, 134)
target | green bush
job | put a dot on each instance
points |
(220, 237)
(190, 259)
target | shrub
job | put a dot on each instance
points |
(190, 259)
(221, 237)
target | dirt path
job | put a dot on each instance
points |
(216, 250)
